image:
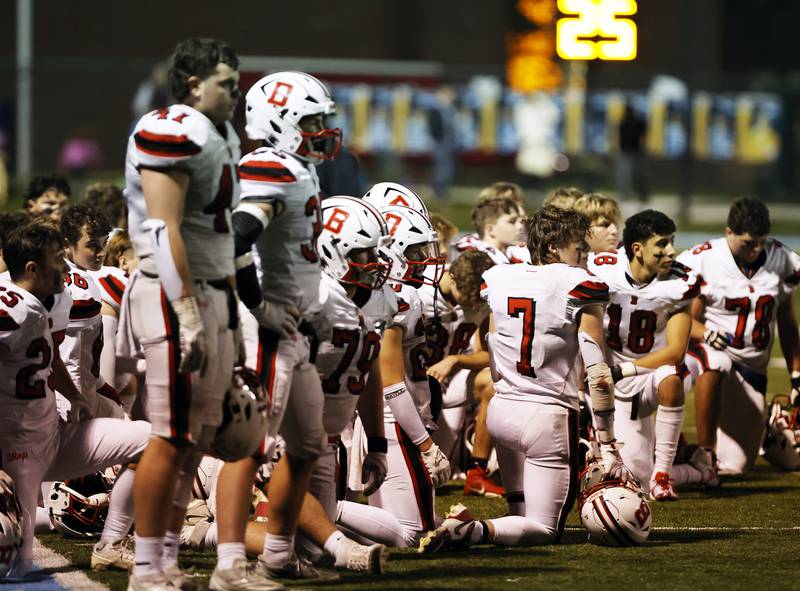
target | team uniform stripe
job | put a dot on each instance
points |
(180, 385)
(590, 290)
(270, 172)
(699, 353)
(58, 337)
(164, 145)
(113, 287)
(574, 469)
(7, 323)
(693, 291)
(420, 479)
(82, 309)
(601, 510)
(267, 359)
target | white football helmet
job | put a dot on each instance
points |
(10, 530)
(78, 507)
(781, 446)
(275, 106)
(245, 417)
(616, 513)
(350, 224)
(385, 194)
(415, 246)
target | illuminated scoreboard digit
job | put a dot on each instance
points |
(595, 29)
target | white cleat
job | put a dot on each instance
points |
(360, 558)
(661, 488)
(242, 577)
(703, 461)
(155, 582)
(117, 554)
(453, 533)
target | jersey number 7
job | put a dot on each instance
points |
(524, 308)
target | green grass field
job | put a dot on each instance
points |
(736, 537)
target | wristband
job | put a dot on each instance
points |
(377, 445)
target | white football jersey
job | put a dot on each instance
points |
(112, 282)
(517, 253)
(81, 348)
(449, 329)
(348, 341)
(534, 347)
(26, 396)
(637, 315)
(288, 263)
(744, 307)
(409, 318)
(182, 138)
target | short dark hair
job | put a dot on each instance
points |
(554, 226)
(467, 271)
(749, 216)
(199, 57)
(107, 198)
(40, 184)
(80, 215)
(30, 243)
(643, 225)
(10, 221)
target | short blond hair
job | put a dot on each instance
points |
(503, 189)
(598, 207)
(563, 197)
(118, 245)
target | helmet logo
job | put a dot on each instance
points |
(642, 513)
(280, 94)
(392, 219)
(336, 221)
(399, 200)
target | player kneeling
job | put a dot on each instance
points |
(543, 315)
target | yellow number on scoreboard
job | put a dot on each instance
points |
(596, 31)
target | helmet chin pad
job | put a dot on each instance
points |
(369, 275)
(320, 145)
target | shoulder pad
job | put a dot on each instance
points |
(175, 132)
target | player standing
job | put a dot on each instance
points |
(180, 185)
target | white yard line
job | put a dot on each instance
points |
(70, 579)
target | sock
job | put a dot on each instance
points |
(332, 544)
(228, 553)
(668, 430)
(43, 523)
(278, 550)
(481, 463)
(120, 508)
(211, 536)
(685, 474)
(172, 543)
(516, 503)
(148, 555)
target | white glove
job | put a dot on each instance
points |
(613, 466)
(280, 318)
(437, 464)
(6, 483)
(373, 471)
(716, 339)
(194, 345)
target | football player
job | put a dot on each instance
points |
(498, 225)
(605, 218)
(181, 182)
(109, 199)
(544, 316)
(456, 323)
(47, 196)
(279, 283)
(36, 445)
(748, 280)
(647, 327)
(85, 230)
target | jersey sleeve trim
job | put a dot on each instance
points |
(113, 287)
(82, 309)
(793, 279)
(7, 323)
(265, 172)
(590, 291)
(694, 289)
(165, 145)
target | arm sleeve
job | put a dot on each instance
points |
(405, 412)
(249, 222)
